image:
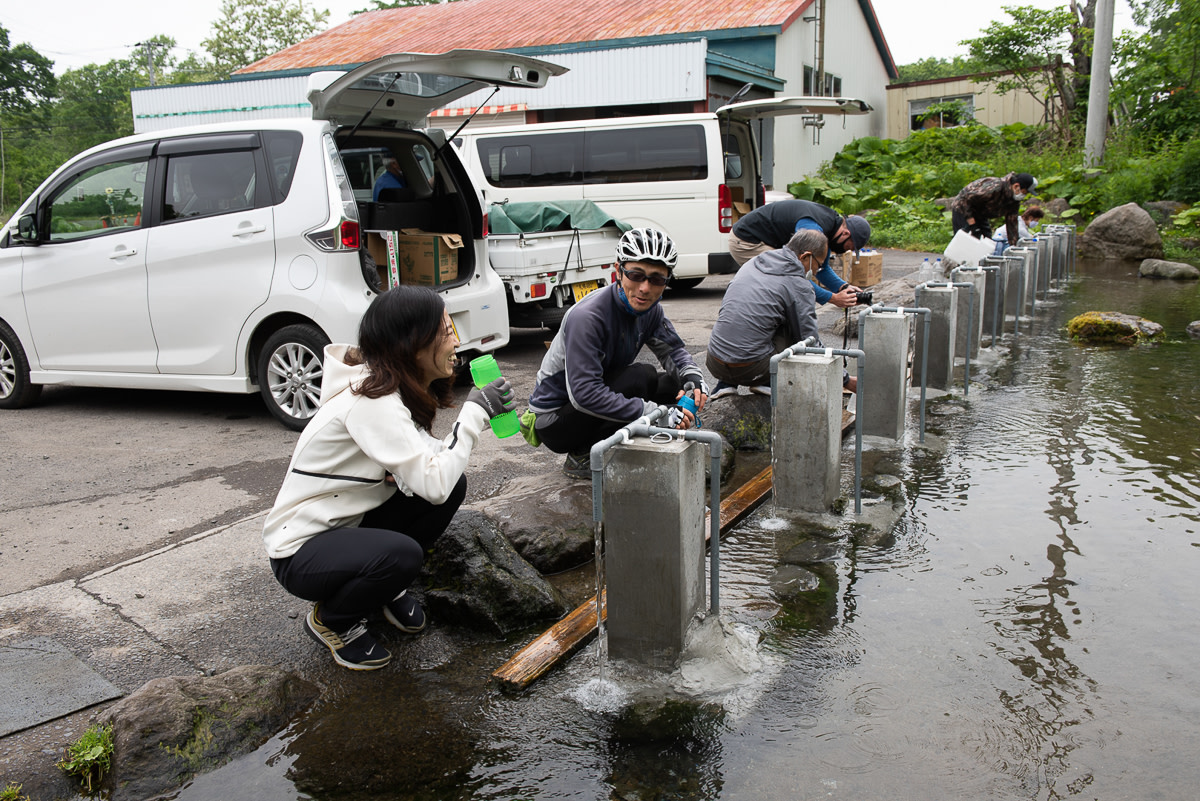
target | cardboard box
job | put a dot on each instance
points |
(420, 257)
(865, 271)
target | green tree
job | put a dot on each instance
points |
(26, 76)
(928, 69)
(1156, 84)
(249, 30)
(1031, 48)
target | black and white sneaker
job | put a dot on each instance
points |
(353, 648)
(405, 613)
(722, 390)
(578, 465)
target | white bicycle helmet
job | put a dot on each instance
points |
(647, 244)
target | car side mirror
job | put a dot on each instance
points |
(26, 229)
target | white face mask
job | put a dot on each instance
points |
(1018, 195)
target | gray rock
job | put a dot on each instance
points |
(1058, 206)
(1112, 328)
(173, 728)
(548, 519)
(1126, 232)
(1163, 210)
(743, 420)
(1158, 268)
(476, 579)
(1193, 329)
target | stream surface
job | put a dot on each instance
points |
(1027, 631)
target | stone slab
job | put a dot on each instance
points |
(40, 680)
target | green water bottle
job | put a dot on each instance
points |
(484, 371)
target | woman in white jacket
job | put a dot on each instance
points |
(369, 488)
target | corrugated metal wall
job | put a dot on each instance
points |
(162, 107)
(618, 77)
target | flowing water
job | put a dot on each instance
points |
(1027, 631)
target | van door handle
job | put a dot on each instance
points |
(122, 254)
(244, 231)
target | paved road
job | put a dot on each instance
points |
(130, 527)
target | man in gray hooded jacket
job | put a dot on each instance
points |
(768, 306)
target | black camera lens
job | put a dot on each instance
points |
(864, 297)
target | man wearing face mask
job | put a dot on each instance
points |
(981, 201)
(589, 384)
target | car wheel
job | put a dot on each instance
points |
(683, 284)
(289, 373)
(15, 389)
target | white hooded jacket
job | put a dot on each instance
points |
(346, 452)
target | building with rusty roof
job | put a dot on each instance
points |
(630, 57)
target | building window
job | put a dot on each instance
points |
(833, 84)
(940, 112)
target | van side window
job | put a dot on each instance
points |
(206, 184)
(283, 153)
(99, 200)
(667, 153)
(554, 159)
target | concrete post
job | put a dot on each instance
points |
(994, 293)
(968, 305)
(1028, 257)
(806, 432)
(942, 302)
(1045, 266)
(1014, 283)
(885, 339)
(654, 547)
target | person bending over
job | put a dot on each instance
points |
(769, 306)
(769, 227)
(981, 201)
(588, 385)
(369, 488)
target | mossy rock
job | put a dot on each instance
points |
(1096, 327)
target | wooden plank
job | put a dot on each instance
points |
(568, 634)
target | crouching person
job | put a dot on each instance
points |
(369, 488)
(588, 385)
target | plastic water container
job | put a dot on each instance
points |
(484, 371)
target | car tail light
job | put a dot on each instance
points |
(537, 291)
(350, 235)
(760, 195)
(346, 235)
(485, 226)
(724, 209)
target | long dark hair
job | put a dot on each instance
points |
(396, 327)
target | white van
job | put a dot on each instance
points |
(664, 171)
(224, 257)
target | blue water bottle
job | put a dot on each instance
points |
(687, 402)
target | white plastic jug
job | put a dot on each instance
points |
(967, 249)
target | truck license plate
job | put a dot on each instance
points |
(583, 288)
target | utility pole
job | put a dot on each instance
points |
(1097, 118)
(149, 47)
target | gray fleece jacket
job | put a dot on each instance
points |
(769, 293)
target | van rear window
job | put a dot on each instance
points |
(626, 155)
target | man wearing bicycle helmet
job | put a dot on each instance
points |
(589, 385)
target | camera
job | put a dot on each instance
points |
(864, 297)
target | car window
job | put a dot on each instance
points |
(99, 200)
(206, 184)
(283, 153)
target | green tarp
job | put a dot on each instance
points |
(561, 215)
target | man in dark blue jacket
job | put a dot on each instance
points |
(770, 227)
(589, 385)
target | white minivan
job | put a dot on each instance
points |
(690, 175)
(225, 257)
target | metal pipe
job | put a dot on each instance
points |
(859, 358)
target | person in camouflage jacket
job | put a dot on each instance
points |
(981, 201)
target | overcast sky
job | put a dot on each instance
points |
(73, 33)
